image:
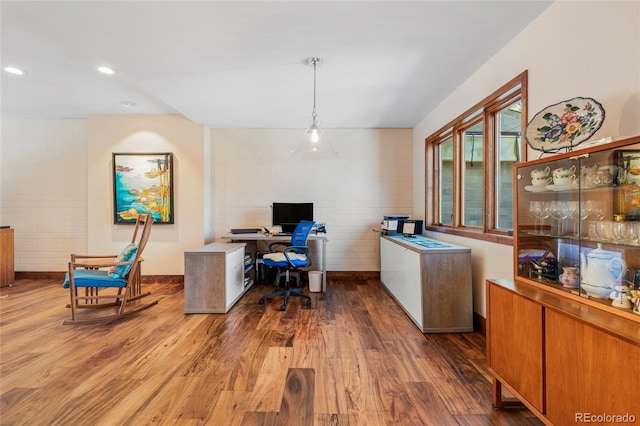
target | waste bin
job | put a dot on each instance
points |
(315, 281)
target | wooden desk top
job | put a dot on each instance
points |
(258, 236)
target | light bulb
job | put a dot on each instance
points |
(315, 135)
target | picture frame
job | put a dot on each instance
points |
(143, 183)
(628, 177)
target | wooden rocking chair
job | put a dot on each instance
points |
(121, 281)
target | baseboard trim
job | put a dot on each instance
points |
(354, 275)
(40, 275)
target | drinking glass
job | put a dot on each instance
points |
(597, 210)
(566, 210)
(585, 211)
(573, 212)
(539, 210)
(604, 230)
(618, 231)
(555, 209)
(631, 233)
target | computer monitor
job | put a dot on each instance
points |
(290, 214)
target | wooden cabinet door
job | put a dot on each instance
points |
(514, 342)
(589, 373)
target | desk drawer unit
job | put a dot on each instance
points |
(213, 278)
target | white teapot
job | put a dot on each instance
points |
(597, 269)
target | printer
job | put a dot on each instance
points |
(390, 223)
(401, 224)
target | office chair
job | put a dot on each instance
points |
(294, 256)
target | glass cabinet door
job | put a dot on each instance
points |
(578, 223)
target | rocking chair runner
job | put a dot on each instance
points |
(121, 281)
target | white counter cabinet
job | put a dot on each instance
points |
(213, 278)
(431, 280)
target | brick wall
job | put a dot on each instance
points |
(43, 190)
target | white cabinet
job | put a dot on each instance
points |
(400, 273)
(213, 278)
(431, 280)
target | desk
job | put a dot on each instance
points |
(272, 238)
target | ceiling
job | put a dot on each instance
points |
(241, 64)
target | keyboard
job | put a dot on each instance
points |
(245, 230)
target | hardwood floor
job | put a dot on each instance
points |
(354, 358)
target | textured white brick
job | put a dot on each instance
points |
(43, 190)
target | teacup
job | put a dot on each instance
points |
(541, 181)
(564, 180)
(603, 178)
(540, 173)
(587, 174)
(562, 172)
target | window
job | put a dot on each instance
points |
(469, 169)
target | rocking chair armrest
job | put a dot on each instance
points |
(90, 256)
(98, 265)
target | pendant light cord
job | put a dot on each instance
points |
(313, 114)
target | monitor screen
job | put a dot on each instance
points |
(291, 213)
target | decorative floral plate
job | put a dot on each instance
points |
(564, 125)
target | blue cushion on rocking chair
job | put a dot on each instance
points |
(127, 254)
(93, 278)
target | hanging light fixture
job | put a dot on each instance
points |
(314, 131)
(314, 144)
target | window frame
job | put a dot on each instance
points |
(512, 91)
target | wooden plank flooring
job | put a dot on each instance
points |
(354, 358)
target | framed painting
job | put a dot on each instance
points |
(143, 183)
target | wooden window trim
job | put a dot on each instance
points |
(490, 105)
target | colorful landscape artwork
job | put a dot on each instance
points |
(143, 183)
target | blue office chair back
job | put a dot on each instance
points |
(301, 233)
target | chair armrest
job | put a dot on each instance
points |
(99, 264)
(278, 243)
(74, 256)
(299, 250)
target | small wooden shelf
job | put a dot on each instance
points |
(7, 260)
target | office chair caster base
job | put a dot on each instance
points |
(283, 307)
(261, 301)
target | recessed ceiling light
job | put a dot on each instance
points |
(127, 104)
(14, 70)
(106, 70)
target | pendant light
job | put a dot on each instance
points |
(314, 132)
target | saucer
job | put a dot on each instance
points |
(536, 188)
(596, 291)
(561, 187)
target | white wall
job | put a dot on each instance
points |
(57, 189)
(43, 190)
(369, 177)
(573, 49)
(164, 254)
